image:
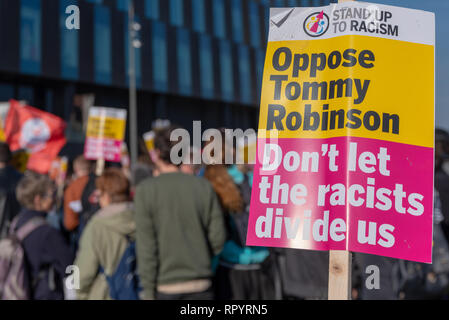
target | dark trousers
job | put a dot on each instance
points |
(204, 295)
(232, 284)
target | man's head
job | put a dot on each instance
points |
(162, 149)
(5, 155)
(81, 166)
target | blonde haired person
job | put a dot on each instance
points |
(46, 251)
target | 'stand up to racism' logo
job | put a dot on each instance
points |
(316, 24)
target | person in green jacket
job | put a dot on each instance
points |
(106, 236)
(180, 228)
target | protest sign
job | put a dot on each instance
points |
(38, 132)
(149, 140)
(346, 132)
(105, 134)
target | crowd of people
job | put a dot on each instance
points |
(178, 232)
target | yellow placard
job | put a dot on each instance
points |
(104, 127)
(391, 90)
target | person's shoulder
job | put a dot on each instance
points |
(199, 182)
(51, 234)
(93, 228)
(146, 183)
(14, 175)
(77, 183)
(81, 181)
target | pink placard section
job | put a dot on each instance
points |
(347, 193)
(107, 149)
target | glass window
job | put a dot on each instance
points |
(294, 3)
(137, 55)
(160, 74)
(245, 74)
(184, 62)
(6, 93)
(219, 18)
(198, 15)
(152, 9)
(266, 4)
(49, 99)
(206, 67)
(176, 13)
(226, 74)
(102, 45)
(237, 21)
(69, 44)
(278, 3)
(26, 93)
(123, 5)
(260, 61)
(254, 23)
(30, 36)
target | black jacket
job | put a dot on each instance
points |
(45, 247)
(304, 273)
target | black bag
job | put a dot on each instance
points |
(428, 281)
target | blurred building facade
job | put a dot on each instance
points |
(199, 59)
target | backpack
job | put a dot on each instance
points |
(124, 283)
(14, 276)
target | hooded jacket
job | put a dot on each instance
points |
(45, 247)
(103, 243)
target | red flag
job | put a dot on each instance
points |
(40, 132)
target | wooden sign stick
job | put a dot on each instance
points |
(340, 265)
(100, 167)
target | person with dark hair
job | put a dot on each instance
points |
(106, 236)
(9, 178)
(243, 273)
(180, 228)
(46, 251)
(441, 177)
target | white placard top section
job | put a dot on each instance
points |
(107, 112)
(352, 18)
